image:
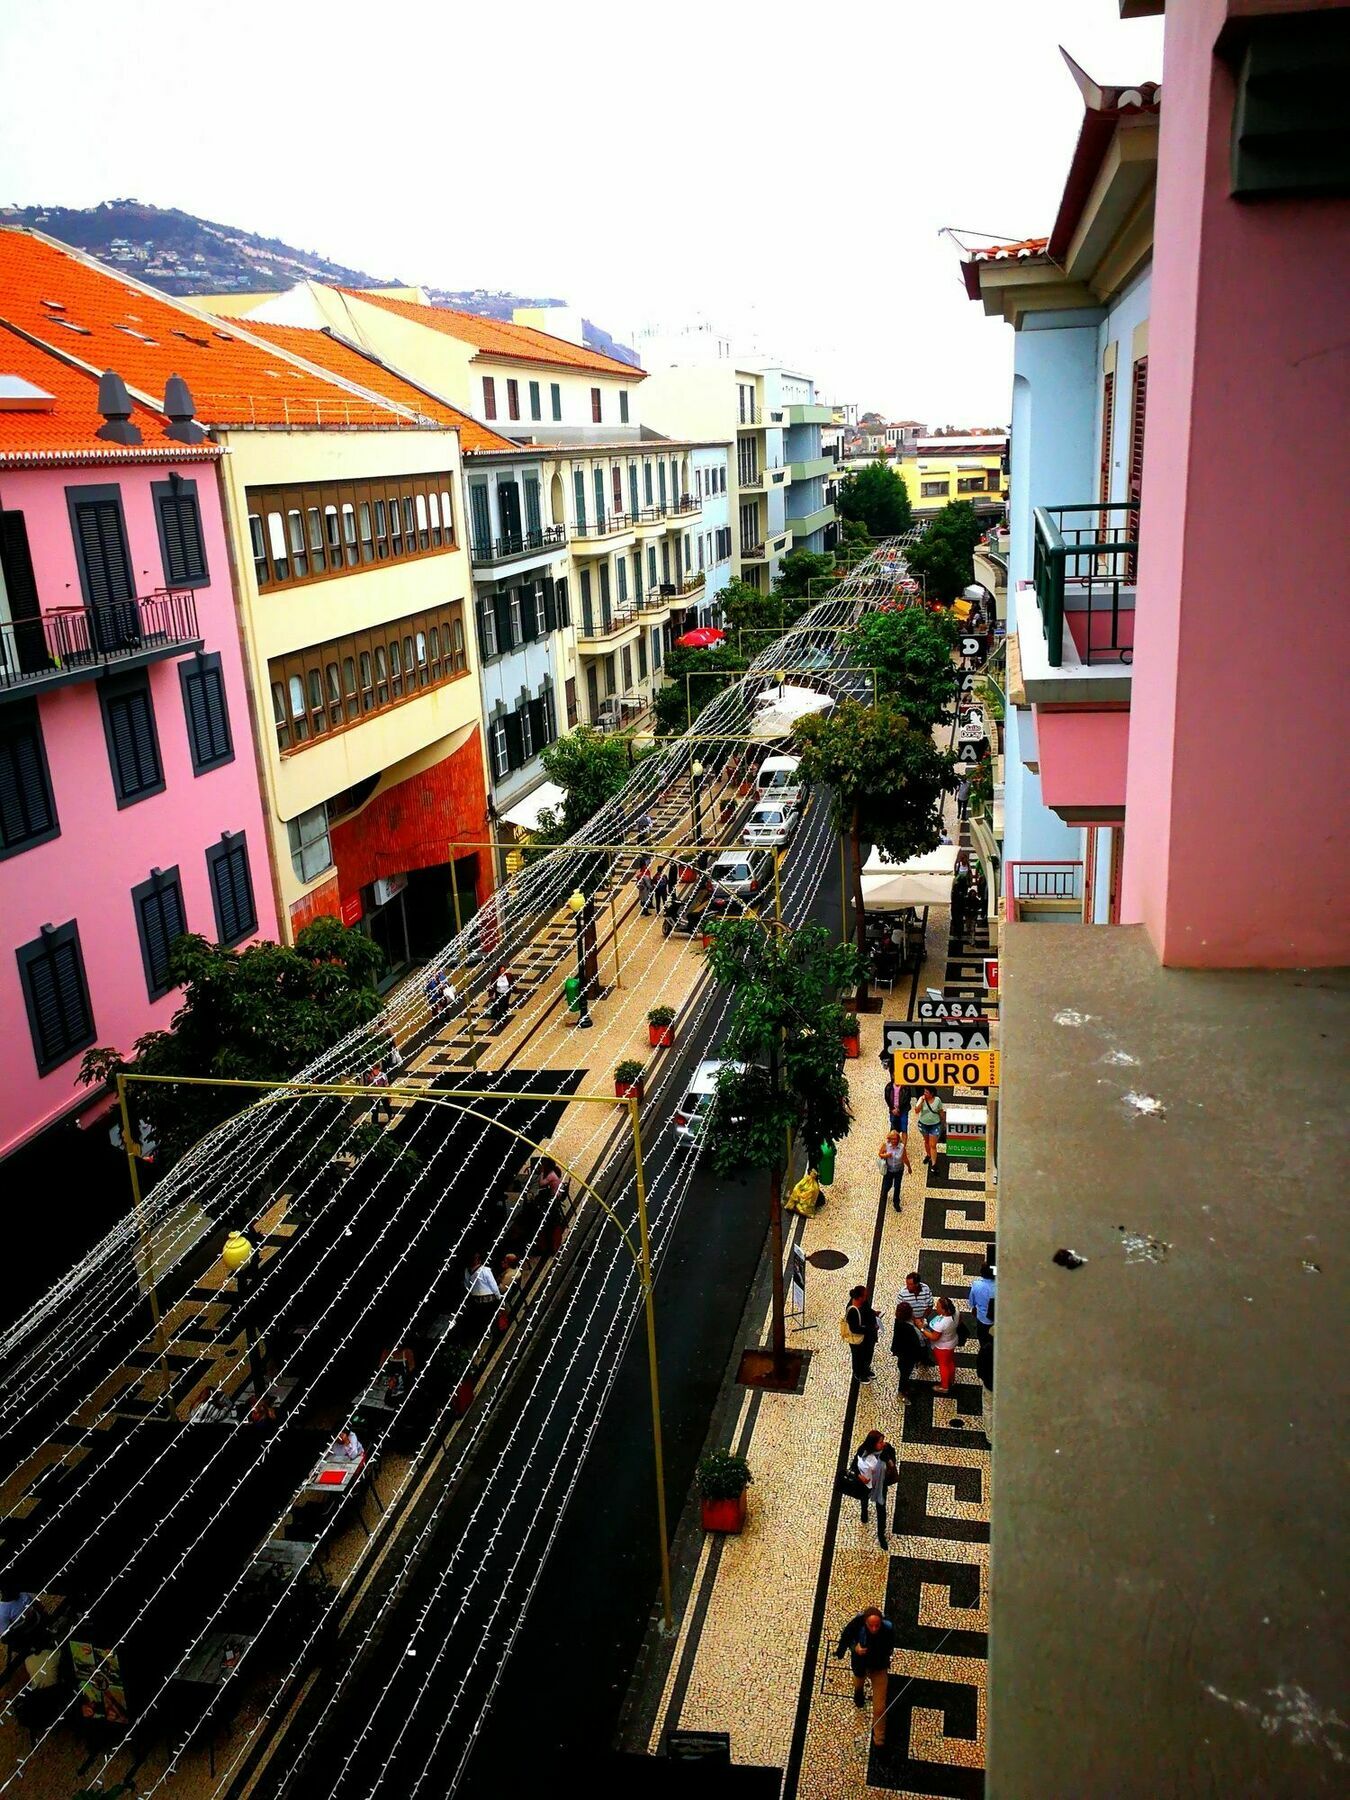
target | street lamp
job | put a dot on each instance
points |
(579, 906)
(236, 1255)
(695, 776)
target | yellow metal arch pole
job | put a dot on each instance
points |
(133, 1149)
(653, 1370)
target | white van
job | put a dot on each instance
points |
(780, 783)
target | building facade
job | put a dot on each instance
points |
(809, 513)
(973, 469)
(130, 811)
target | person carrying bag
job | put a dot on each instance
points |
(859, 1327)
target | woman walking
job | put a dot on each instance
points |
(942, 1335)
(876, 1466)
(931, 1114)
(906, 1347)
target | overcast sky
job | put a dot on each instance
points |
(780, 170)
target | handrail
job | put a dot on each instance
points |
(1083, 559)
(60, 641)
(519, 543)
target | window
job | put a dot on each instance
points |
(623, 406)
(261, 568)
(970, 484)
(517, 622)
(633, 489)
(932, 490)
(1135, 472)
(533, 515)
(579, 497)
(295, 537)
(1104, 451)
(367, 537)
(481, 518)
(656, 649)
(101, 546)
(27, 808)
(231, 889)
(627, 668)
(208, 718)
(160, 919)
(501, 764)
(512, 399)
(489, 397)
(698, 484)
(651, 565)
(527, 743)
(535, 410)
(646, 481)
(180, 532)
(598, 476)
(555, 396)
(316, 533)
(642, 657)
(133, 746)
(616, 487)
(621, 569)
(597, 413)
(487, 629)
(311, 851)
(349, 532)
(51, 970)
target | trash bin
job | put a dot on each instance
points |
(572, 992)
(825, 1165)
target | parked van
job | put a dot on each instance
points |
(780, 780)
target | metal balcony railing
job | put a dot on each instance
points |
(73, 640)
(1049, 886)
(597, 528)
(546, 537)
(686, 503)
(1087, 567)
(605, 624)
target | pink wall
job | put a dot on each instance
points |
(1235, 848)
(88, 872)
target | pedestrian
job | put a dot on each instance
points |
(434, 996)
(661, 890)
(932, 1118)
(960, 888)
(645, 887)
(869, 1641)
(907, 1347)
(897, 1105)
(876, 1467)
(942, 1334)
(393, 1062)
(380, 1112)
(919, 1295)
(501, 996)
(893, 1156)
(646, 828)
(858, 1328)
(984, 1359)
(485, 1297)
(982, 1301)
(962, 796)
(346, 1447)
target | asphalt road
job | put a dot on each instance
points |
(569, 1645)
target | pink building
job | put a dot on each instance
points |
(129, 800)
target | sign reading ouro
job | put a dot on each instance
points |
(953, 1068)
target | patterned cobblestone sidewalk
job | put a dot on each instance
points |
(753, 1655)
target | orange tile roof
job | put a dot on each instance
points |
(356, 366)
(109, 322)
(498, 337)
(64, 433)
(998, 252)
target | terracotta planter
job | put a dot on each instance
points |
(463, 1399)
(725, 1515)
(661, 1037)
(686, 874)
(628, 1090)
(852, 1047)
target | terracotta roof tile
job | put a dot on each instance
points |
(1024, 248)
(64, 432)
(108, 322)
(498, 337)
(356, 366)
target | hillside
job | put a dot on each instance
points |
(182, 254)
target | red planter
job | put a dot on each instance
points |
(463, 1399)
(661, 1037)
(725, 1515)
(628, 1090)
(852, 1047)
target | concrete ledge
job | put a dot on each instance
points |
(1168, 1570)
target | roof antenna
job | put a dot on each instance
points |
(114, 402)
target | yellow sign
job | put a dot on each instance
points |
(946, 1068)
(515, 861)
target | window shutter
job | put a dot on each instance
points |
(27, 810)
(550, 605)
(564, 603)
(538, 733)
(131, 732)
(171, 524)
(181, 530)
(529, 616)
(17, 563)
(57, 996)
(207, 713)
(1104, 452)
(162, 921)
(1138, 407)
(232, 891)
(107, 564)
(502, 603)
(515, 742)
(480, 613)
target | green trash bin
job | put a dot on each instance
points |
(572, 992)
(825, 1166)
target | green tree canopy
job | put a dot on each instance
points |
(943, 556)
(911, 650)
(592, 766)
(876, 496)
(257, 1014)
(672, 704)
(798, 569)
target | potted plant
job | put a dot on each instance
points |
(661, 1027)
(849, 1034)
(628, 1079)
(722, 1478)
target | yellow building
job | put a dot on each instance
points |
(964, 468)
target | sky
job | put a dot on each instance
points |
(781, 171)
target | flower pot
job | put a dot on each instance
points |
(661, 1037)
(725, 1515)
(628, 1090)
(686, 873)
(463, 1399)
(852, 1046)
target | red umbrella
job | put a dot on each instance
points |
(704, 638)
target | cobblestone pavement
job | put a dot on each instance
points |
(754, 1652)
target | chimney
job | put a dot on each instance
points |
(114, 402)
(179, 407)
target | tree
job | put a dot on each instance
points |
(796, 572)
(783, 1011)
(854, 537)
(887, 780)
(680, 702)
(592, 766)
(943, 556)
(257, 1014)
(911, 650)
(758, 615)
(878, 498)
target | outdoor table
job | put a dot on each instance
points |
(334, 1475)
(280, 1391)
(206, 1666)
(282, 1556)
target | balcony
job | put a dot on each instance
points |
(610, 526)
(606, 627)
(655, 603)
(804, 524)
(1046, 893)
(80, 643)
(684, 508)
(750, 483)
(754, 553)
(813, 466)
(695, 583)
(810, 415)
(527, 543)
(1084, 573)
(750, 417)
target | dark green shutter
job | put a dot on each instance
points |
(550, 605)
(529, 614)
(538, 734)
(515, 741)
(502, 602)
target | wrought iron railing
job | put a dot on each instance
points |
(607, 623)
(686, 503)
(615, 521)
(1032, 883)
(545, 537)
(70, 640)
(1086, 568)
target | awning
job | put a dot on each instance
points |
(1082, 756)
(777, 709)
(922, 881)
(525, 813)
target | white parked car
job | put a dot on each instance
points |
(771, 823)
(691, 1116)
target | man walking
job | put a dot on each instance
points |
(894, 1159)
(869, 1641)
(897, 1106)
(860, 1332)
(982, 1301)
